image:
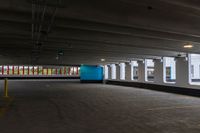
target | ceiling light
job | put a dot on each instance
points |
(188, 46)
(102, 59)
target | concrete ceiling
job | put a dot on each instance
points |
(85, 31)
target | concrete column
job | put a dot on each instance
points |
(113, 71)
(106, 72)
(141, 71)
(122, 71)
(109, 72)
(132, 65)
(128, 72)
(182, 72)
(158, 71)
(117, 72)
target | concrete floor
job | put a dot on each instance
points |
(64, 107)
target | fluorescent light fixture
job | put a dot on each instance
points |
(102, 59)
(188, 46)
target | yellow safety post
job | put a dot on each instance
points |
(6, 88)
(6, 100)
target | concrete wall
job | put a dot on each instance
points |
(182, 73)
(141, 71)
(128, 71)
(159, 73)
(117, 71)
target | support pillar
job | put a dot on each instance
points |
(117, 72)
(122, 71)
(158, 71)
(182, 72)
(141, 71)
(128, 72)
(113, 71)
(6, 88)
(106, 72)
(109, 72)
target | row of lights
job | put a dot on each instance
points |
(188, 45)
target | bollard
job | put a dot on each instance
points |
(6, 88)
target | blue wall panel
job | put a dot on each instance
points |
(90, 73)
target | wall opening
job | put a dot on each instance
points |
(38, 71)
(134, 70)
(169, 65)
(194, 69)
(149, 70)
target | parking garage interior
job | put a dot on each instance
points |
(109, 66)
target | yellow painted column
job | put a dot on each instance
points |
(6, 88)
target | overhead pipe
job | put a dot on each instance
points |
(41, 22)
(37, 18)
(33, 19)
